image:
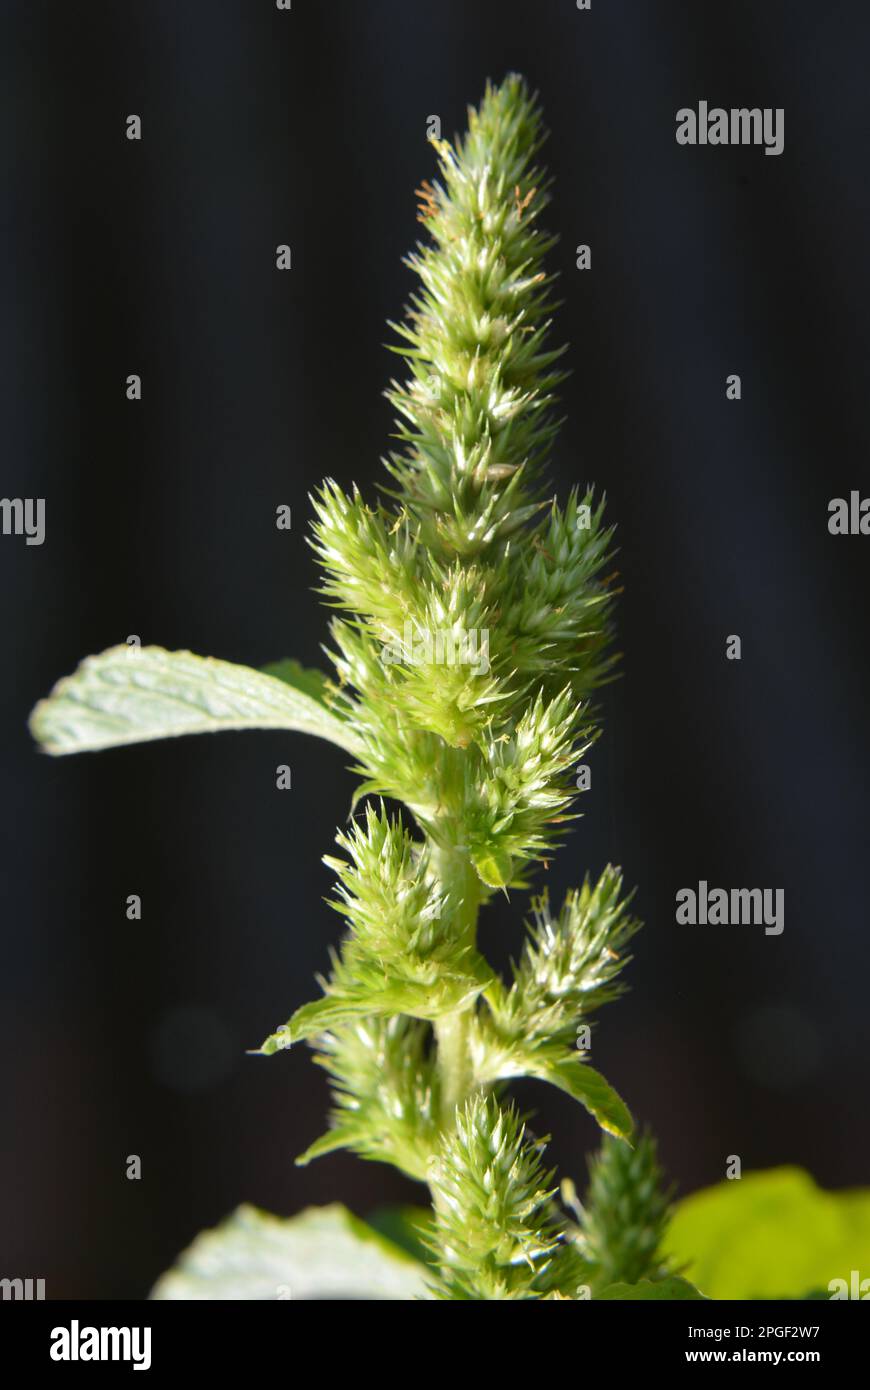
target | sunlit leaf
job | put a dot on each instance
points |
(773, 1234)
(325, 1252)
(137, 694)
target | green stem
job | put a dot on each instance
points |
(460, 884)
(454, 1061)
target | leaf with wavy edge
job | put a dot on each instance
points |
(137, 694)
(324, 1252)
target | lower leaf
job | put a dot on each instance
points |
(561, 1067)
(323, 1253)
(662, 1289)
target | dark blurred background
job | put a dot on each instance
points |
(308, 128)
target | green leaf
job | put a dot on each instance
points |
(662, 1289)
(136, 694)
(324, 1253)
(305, 678)
(339, 1137)
(449, 992)
(407, 1227)
(495, 868)
(561, 1067)
(773, 1234)
(588, 1086)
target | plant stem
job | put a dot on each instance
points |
(460, 885)
(454, 1061)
